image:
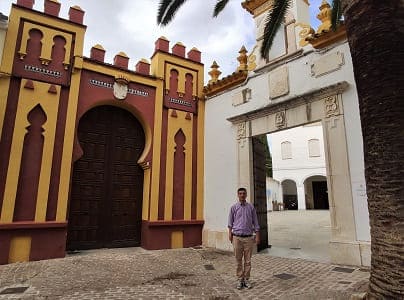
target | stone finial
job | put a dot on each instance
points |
(97, 52)
(214, 73)
(242, 59)
(324, 16)
(52, 7)
(76, 14)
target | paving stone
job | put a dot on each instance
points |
(134, 273)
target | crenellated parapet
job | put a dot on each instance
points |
(52, 8)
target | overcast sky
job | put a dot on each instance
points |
(130, 26)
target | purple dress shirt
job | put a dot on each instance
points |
(243, 219)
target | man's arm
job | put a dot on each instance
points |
(230, 225)
(256, 226)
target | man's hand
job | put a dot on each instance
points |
(230, 237)
(257, 238)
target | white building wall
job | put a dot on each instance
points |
(301, 165)
(220, 174)
(221, 161)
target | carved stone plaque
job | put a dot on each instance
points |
(327, 64)
(278, 82)
(241, 97)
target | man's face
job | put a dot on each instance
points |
(242, 195)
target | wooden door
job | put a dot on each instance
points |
(107, 183)
(260, 199)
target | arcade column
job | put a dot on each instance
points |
(301, 197)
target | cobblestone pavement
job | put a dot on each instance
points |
(134, 273)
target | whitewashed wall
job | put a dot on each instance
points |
(304, 72)
(301, 166)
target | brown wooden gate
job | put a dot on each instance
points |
(107, 184)
(260, 198)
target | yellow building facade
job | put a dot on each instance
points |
(94, 154)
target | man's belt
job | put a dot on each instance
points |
(242, 235)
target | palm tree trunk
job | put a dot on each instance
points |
(376, 34)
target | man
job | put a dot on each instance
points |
(243, 223)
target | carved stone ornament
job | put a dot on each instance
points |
(120, 88)
(279, 82)
(327, 64)
(241, 131)
(331, 106)
(280, 119)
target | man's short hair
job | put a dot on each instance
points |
(241, 190)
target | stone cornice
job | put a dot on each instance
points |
(291, 102)
(226, 83)
(327, 38)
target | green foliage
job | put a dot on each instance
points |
(273, 21)
(220, 5)
(336, 14)
(167, 10)
(268, 157)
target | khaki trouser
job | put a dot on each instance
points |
(243, 247)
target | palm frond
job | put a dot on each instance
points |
(272, 23)
(168, 11)
(164, 4)
(336, 14)
(220, 5)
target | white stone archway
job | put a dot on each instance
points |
(326, 106)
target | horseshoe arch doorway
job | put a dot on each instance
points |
(105, 207)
